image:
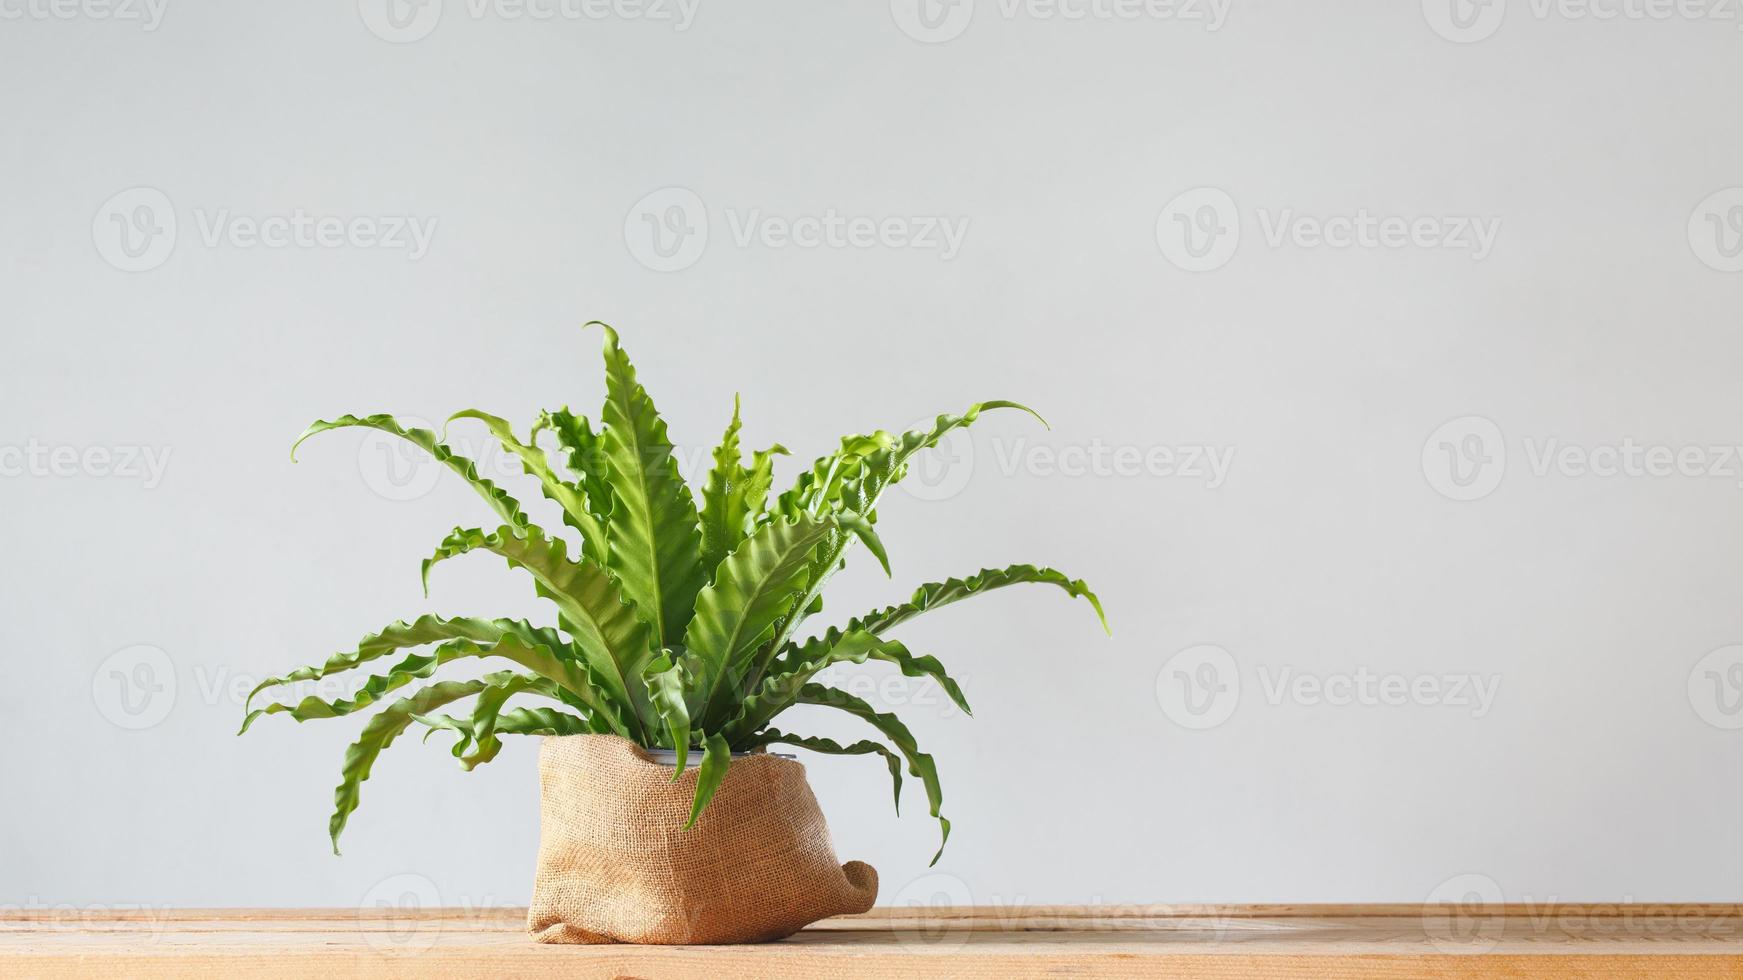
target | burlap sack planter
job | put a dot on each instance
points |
(617, 866)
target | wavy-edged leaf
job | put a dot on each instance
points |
(585, 458)
(570, 497)
(382, 730)
(758, 480)
(516, 721)
(716, 757)
(485, 717)
(415, 667)
(734, 495)
(821, 488)
(863, 530)
(398, 635)
(829, 746)
(778, 691)
(654, 530)
(612, 641)
(422, 631)
(856, 480)
(919, 763)
(736, 614)
(499, 500)
(668, 687)
(932, 595)
(718, 526)
(823, 480)
(556, 675)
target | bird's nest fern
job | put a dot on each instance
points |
(677, 624)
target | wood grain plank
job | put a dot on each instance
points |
(1273, 942)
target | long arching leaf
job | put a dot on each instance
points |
(654, 530)
(418, 666)
(504, 505)
(517, 721)
(856, 484)
(828, 746)
(919, 763)
(402, 635)
(933, 595)
(821, 488)
(780, 689)
(611, 639)
(736, 614)
(570, 497)
(382, 730)
(554, 673)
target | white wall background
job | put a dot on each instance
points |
(1603, 313)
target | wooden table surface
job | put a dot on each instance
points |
(1265, 941)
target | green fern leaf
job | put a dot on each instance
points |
(498, 498)
(919, 763)
(654, 529)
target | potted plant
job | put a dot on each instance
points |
(677, 631)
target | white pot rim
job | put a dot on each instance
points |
(669, 757)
